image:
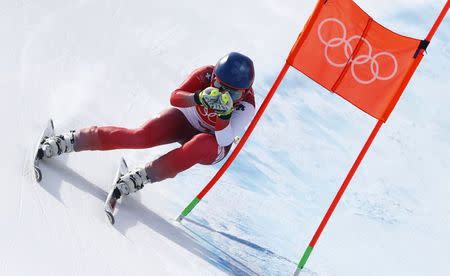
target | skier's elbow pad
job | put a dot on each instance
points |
(224, 136)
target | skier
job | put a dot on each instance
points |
(209, 109)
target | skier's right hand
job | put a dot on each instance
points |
(208, 96)
(224, 106)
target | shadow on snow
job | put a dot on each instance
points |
(56, 172)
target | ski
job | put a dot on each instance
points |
(114, 194)
(38, 154)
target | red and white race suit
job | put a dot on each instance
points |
(204, 138)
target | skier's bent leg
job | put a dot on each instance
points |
(167, 127)
(201, 149)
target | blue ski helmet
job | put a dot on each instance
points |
(235, 70)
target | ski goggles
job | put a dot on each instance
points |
(235, 94)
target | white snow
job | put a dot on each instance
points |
(99, 62)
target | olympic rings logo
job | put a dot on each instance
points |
(209, 115)
(359, 59)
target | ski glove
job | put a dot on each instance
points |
(207, 97)
(221, 103)
(223, 106)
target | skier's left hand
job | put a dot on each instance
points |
(223, 106)
(208, 96)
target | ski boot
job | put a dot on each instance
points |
(126, 182)
(131, 182)
(56, 145)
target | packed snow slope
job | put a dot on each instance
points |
(100, 62)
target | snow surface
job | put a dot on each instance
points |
(99, 62)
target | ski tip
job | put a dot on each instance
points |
(122, 160)
(37, 174)
(51, 123)
(110, 217)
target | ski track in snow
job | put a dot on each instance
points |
(20, 211)
(76, 241)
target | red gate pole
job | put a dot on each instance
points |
(338, 196)
(238, 148)
(418, 56)
(438, 21)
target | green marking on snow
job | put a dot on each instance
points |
(191, 206)
(305, 257)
